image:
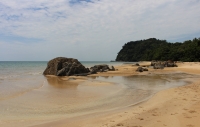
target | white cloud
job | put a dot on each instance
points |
(92, 30)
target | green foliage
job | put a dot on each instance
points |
(155, 49)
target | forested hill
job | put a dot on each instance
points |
(155, 49)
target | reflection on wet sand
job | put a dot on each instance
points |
(148, 82)
(58, 82)
(75, 96)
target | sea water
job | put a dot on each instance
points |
(17, 77)
(19, 74)
(26, 94)
(20, 80)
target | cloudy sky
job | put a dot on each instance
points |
(90, 30)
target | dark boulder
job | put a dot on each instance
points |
(141, 69)
(112, 68)
(103, 66)
(153, 62)
(162, 64)
(62, 66)
(137, 64)
(93, 71)
(62, 71)
(104, 69)
(158, 66)
(100, 68)
(82, 74)
(145, 69)
(170, 63)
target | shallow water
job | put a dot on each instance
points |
(57, 97)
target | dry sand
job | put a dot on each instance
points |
(175, 107)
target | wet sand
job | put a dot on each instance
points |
(175, 107)
(170, 107)
(54, 99)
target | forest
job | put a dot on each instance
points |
(155, 49)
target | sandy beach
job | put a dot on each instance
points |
(158, 97)
(174, 107)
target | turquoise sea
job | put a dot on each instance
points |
(27, 97)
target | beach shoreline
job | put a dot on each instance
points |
(123, 97)
(179, 106)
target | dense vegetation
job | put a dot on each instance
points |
(155, 49)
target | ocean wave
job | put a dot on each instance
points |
(19, 91)
(35, 73)
(13, 76)
(4, 77)
(8, 77)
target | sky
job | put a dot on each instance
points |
(90, 30)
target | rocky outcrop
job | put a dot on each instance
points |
(101, 68)
(162, 64)
(62, 66)
(170, 63)
(141, 69)
(153, 62)
(158, 66)
(137, 64)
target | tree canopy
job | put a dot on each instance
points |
(155, 49)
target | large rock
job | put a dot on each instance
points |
(62, 66)
(141, 69)
(162, 64)
(170, 63)
(101, 68)
(159, 65)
